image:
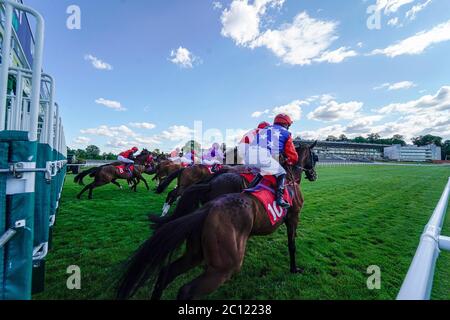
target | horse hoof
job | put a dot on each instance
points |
(298, 270)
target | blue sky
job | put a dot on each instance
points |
(140, 72)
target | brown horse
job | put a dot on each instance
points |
(110, 173)
(164, 169)
(217, 235)
(186, 177)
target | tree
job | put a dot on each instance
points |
(343, 138)
(427, 140)
(192, 145)
(446, 150)
(398, 139)
(93, 152)
(373, 138)
(360, 140)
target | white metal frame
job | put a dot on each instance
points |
(419, 280)
(36, 69)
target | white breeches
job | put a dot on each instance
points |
(185, 160)
(211, 162)
(175, 160)
(124, 160)
(261, 158)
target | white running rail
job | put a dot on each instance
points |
(419, 280)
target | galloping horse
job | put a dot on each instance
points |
(186, 177)
(216, 234)
(228, 180)
(110, 173)
(164, 169)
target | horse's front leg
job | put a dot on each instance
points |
(292, 224)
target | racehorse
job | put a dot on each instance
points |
(215, 234)
(164, 169)
(186, 177)
(228, 180)
(110, 173)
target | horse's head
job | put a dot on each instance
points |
(307, 160)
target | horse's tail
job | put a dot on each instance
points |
(188, 203)
(167, 181)
(79, 178)
(156, 251)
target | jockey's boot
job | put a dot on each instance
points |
(255, 181)
(281, 180)
(127, 168)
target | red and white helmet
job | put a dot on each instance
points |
(283, 119)
(134, 149)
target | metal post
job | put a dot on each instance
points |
(4, 71)
(51, 112)
(55, 144)
(19, 103)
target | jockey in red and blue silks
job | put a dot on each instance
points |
(272, 144)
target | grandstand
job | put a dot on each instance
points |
(347, 151)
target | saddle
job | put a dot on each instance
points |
(265, 193)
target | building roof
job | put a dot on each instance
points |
(343, 144)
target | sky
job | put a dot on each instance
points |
(140, 72)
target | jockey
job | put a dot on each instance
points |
(213, 156)
(175, 156)
(272, 144)
(189, 157)
(127, 158)
(248, 138)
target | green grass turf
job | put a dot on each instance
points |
(353, 217)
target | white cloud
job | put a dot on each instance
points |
(183, 58)
(97, 63)
(337, 56)
(293, 109)
(391, 6)
(418, 43)
(258, 114)
(321, 133)
(301, 42)
(217, 5)
(428, 103)
(241, 22)
(143, 125)
(115, 105)
(394, 22)
(412, 13)
(107, 131)
(396, 86)
(82, 140)
(177, 133)
(298, 43)
(334, 111)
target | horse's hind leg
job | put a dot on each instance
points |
(191, 259)
(114, 182)
(83, 191)
(94, 185)
(206, 283)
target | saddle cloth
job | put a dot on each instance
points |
(265, 193)
(121, 168)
